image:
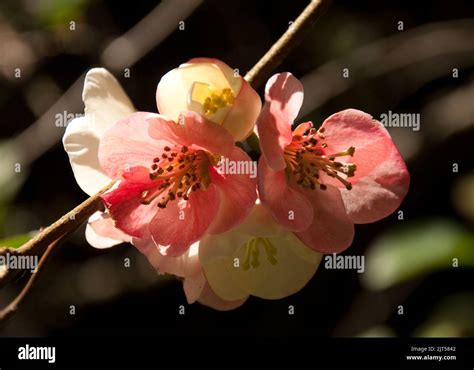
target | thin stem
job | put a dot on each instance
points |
(291, 38)
(13, 305)
(64, 226)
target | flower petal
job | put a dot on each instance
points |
(237, 194)
(223, 257)
(216, 256)
(241, 119)
(82, 145)
(104, 99)
(332, 230)
(283, 100)
(211, 299)
(195, 130)
(127, 144)
(182, 223)
(105, 103)
(194, 281)
(174, 88)
(289, 207)
(101, 232)
(296, 265)
(124, 203)
(230, 75)
(379, 194)
(381, 180)
(163, 264)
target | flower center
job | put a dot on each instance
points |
(178, 172)
(211, 100)
(305, 158)
(252, 253)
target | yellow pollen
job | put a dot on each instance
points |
(217, 100)
(252, 253)
(212, 100)
(306, 157)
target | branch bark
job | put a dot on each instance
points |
(286, 43)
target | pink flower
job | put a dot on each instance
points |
(319, 183)
(170, 190)
(210, 87)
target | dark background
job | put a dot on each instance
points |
(389, 71)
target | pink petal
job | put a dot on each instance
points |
(283, 100)
(193, 130)
(380, 193)
(127, 144)
(101, 232)
(162, 264)
(237, 195)
(186, 266)
(381, 180)
(181, 223)
(281, 199)
(332, 230)
(211, 299)
(124, 203)
(193, 286)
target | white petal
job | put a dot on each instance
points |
(174, 88)
(223, 257)
(104, 99)
(105, 103)
(296, 265)
(82, 146)
(216, 253)
(101, 232)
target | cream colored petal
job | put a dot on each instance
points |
(105, 103)
(296, 264)
(174, 90)
(242, 116)
(223, 258)
(216, 253)
(211, 299)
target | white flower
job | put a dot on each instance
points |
(211, 88)
(257, 258)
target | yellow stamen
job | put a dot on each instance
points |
(252, 253)
(211, 99)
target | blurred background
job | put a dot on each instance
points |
(402, 56)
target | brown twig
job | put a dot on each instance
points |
(291, 38)
(64, 226)
(13, 305)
